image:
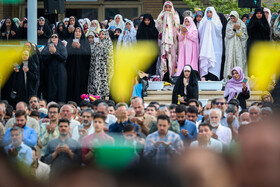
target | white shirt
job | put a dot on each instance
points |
(76, 134)
(213, 144)
(110, 120)
(224, 135)
(73, 124)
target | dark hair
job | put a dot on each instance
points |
(84, 103)
(34, 96)
(181, 108)
(99, 115)
(35, 113)
(54, 106)
(193, 101)
(213, 102)
(234, 102)
(172, 106)
(111, 103)
(200, 103)
(192, 109)
(204, 125)
(5, 102)
(152, 106)
(16, 128)
(43, 100)
(97, 101)
(163, 117)
(72, 103)
(154, 103)
(89, 111)
(9, 110)
(129, 127)
(254, 103)
(34, 149)
(21, 113)
(63, 120)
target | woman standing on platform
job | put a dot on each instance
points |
(9, 30)
(186, 87)
(237, 87)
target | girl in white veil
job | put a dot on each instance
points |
(211, 45)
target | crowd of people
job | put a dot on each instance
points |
(58, 121)
(75, 57)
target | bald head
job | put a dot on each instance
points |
(21, 106)
(254, 113)
(245, 118)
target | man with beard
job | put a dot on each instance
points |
(220, 132)
(86, 128)
(188, 131)
(63, 152)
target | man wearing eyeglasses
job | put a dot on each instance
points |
(49, 130)
(34, 103)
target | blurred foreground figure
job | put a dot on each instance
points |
(259, 163)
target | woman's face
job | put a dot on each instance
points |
(187, 22)
(233, 19)
(25, 56)
(167, 8)
(102, 36)
(66, 23)
(117, 32)
(86, 25)
(209, 14)
(235, 75)
(259, 15)
(198, 18)
(90, 39)
(147, 21)
(266, 14)
(41, 22)
(187, 73)
(244, 20)
(54, 39)
(8, 23)
(128, 26)
(27, 47)
(60, 28)
(78, 33)
(266, 99)
(93, 24)
(72, 21)
(118, 19)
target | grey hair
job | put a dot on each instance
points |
(72, 109)
(16, 128)
(3, 108)
(266, 109)
(252, 107)
(217, 110)
(103, 104)
(89, 111)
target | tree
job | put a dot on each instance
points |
(274, 8)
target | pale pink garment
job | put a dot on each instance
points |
(188, 47)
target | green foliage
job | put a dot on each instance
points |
(274, 8)
(223, 6)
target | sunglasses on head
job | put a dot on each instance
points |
(221, 103)
(54, 36)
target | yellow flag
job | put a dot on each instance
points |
(128, 60)
(264, 61)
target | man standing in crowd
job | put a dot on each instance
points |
(204, 139)
(221, 132)
(29, 134)
(141, 118)
(86, 128)
(34, 103)
(32, 123)
(188, 131)
(172, 111)
(49, 130)
(67, 112)
(163, 144)
(17, 150)
(110, 119)
(254, 113)
(152, 110)
(39, 170)
(63, 152)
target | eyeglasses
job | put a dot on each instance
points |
(54, 37)
(53, 112)
(221, 103)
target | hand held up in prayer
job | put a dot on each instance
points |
(165, 144)
(230, 118)
(244, 85)
(13, 152)
(3, 34)
(156, 143)
(181, 99)
(13, 33)
(25, 69)
(78, 45)
(184, 29)
(185, 132)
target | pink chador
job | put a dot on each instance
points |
(188, 46)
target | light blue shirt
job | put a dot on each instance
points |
(29, 136)
(191, 128)
(24, 154)
(213, 144)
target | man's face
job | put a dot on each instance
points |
(192, 117)
(42, 104)
(173, 116)
(98, 124)
(2, 114)
(193, 104)
(138, 107)
(163, 126)
(122, 112)
(181, 117)
(131, 112)
(265, 115)
(53, 114)
(16, 137)
(254, 114)
(102, 109)
(66, 112)
(21, 121)
(63, 128)
(87, 118)
(245, 118)
(221, 104)
(129, 136)
(33, 103)
(111, 110)
(151, 111)
(205, 130)
(215, 118)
